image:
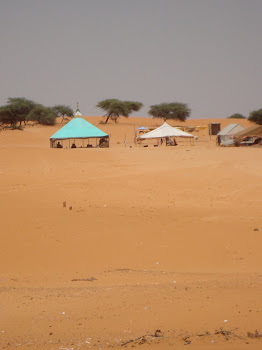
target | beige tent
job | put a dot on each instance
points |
(255, 130)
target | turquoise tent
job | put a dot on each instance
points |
(77, 128)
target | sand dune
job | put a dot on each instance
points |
(172, 235)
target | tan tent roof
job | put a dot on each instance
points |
(255, 130)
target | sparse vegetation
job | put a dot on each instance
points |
(63, 111)
(115, 108)
(174, 110)
(256, 117)
(19, 109)
(43, 115)
(237, 116)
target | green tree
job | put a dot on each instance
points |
(115, 108)
(8, 115)
(16, 110)
(43, 115)
(237, 116)
(19, 109)
(63, 111)
(256, 116)
(174, 110)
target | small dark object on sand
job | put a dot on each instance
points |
(64, 204)
(144, 338)
(90, 279)
(254, 335)
(224, 333)
(158, 333)
(70, 208)
(256, 229)
(186, 340)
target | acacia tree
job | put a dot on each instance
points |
(8, 115)
(174, 110)
(16, 110)
(63, 111)
(43, 115)
(237, 116)
(115, 108)
(256, 116)
(19, 109)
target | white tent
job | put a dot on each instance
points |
(165, 130)
(226, 136)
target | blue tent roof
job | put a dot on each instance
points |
(78, 128)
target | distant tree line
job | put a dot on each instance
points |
(254, 116)
(115, 108)
(20, 110)
(237, 116)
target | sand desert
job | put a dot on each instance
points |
(161, 250)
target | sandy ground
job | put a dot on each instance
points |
(170, 237)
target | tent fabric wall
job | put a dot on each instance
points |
(226, 136)
(255, 130)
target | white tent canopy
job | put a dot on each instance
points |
(165, 130)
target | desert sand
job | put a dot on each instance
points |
(158, 238)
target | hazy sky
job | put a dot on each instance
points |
(206, 53)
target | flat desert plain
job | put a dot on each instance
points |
(161, 248)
